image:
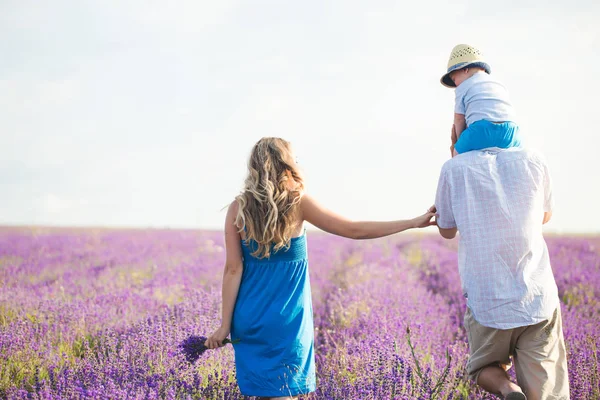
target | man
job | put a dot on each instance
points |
(498, 200)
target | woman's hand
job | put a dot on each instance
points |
(216, 339)
(425, 220)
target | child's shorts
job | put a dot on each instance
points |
(483, 134)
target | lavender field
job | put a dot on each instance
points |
(100, 313)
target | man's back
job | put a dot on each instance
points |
(497, 199)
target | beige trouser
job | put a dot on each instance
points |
(538, 352)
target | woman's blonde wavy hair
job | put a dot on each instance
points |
(269, 203)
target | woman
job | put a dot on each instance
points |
(267, 304)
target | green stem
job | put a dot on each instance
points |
(442, 378)
(412, 350)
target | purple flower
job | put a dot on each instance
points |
(194, 346)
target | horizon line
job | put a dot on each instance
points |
(310, 228)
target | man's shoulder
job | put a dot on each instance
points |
(462, 160)
(483, 158)
(520, 153)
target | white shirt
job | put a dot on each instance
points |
(497, 199)
(482, 97)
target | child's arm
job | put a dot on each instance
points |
(453, 139)
(460, 124)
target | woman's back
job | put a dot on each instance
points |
(272, 323)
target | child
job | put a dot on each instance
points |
(483, 114)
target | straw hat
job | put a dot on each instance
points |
(463, 56)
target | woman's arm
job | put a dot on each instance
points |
(330, 222)
(232, 276)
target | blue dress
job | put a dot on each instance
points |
(273, 324)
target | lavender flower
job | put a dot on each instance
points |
(114, 325)
(194, 346)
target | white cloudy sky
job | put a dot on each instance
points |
(142, 113)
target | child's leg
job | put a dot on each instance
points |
(505, 135)
(468, 140)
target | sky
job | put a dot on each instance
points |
(135, 113)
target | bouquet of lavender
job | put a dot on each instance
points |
(194, 346)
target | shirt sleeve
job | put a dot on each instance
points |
(445, 218)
